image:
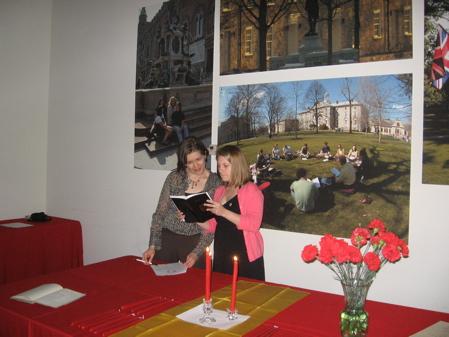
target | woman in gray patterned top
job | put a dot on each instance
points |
(172, 239)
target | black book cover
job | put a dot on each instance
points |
(192, 206)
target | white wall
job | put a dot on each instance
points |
(91, 128)
(90, 154)
(24, 74)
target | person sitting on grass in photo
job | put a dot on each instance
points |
(353, 154)
(325, 152)
(276, 152)
(263, 160)
(340, 152)
(362, 164)
(347, 174)
(288, 152)
(304, 191)
(304, 153)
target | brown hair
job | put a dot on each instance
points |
(301, 173)
(239, 171)
(189, 145)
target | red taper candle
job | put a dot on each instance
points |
(208, 273)
(234, 283)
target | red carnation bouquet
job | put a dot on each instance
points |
(355, 265)
(371, 247)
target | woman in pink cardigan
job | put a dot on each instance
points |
(238, 206)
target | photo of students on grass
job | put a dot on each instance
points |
(318, 120)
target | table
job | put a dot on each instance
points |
(123, 282)
(43, 248)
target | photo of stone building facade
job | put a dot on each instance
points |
(335, 116)
(176, 46)
(393, 128)
(346, 32)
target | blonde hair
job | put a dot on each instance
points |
(172, 99)
(239, 170)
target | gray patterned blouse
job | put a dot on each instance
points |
(166, 215)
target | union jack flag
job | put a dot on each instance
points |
(440, 65)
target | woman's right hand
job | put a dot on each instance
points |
(181, 216)
(148, 255)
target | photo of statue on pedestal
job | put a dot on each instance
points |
(262, 35)
(312, 9)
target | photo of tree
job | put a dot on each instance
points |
(351, 136)
(260, 35)
(174, 63)
(436, 93)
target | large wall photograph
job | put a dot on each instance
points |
(260, 35)
(436, 93)
(175, 46)
(360, 125)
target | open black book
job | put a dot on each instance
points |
(192, 206)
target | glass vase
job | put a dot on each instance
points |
(354, 318)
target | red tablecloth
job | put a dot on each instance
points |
(123, 282)
(43, 248)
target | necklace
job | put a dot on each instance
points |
(193, 183)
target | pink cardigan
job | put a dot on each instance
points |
(250, 200)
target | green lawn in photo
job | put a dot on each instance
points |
(435, 163)
(388, 184)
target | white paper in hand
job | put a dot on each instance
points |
(169, 269)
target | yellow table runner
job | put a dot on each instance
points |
(258, 300)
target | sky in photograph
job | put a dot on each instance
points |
(152, 7)
(444, 21)
(400, 110)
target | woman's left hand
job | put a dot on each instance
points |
(214, 207)
(181, 216)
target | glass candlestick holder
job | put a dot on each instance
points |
(208, 309)
(232, 314)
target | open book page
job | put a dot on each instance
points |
(60, 298)
(335, 171)
(50, 294)
(30, 296)
(169, 269)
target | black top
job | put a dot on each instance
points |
(177, 117)
(229, 241)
